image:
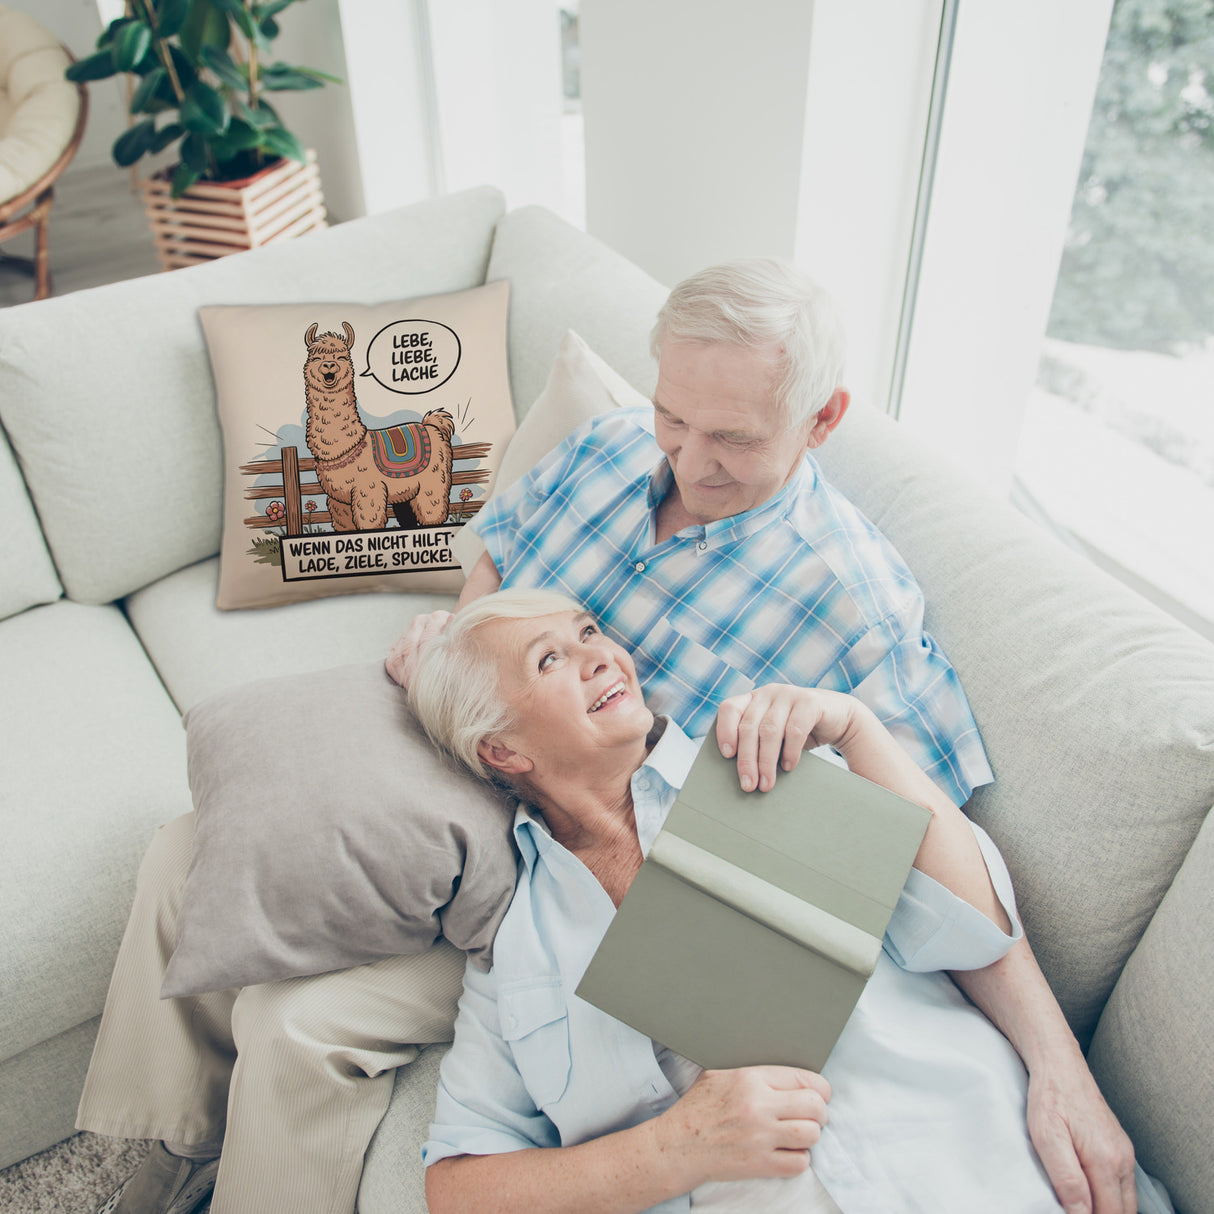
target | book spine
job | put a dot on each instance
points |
(802, 922)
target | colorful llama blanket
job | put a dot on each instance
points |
(401, 450)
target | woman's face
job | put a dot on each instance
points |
(573, 692)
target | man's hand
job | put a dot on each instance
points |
(400, 661)
(1087, 1155)
(769, 727)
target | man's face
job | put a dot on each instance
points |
(716, 420)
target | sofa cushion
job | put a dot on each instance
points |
(1152, 1054)
(199, 650)
(93, 759)
(328, 833)
(107, 394)
(1097, 711)
(562, 279)
(29, 576)
(419, 413)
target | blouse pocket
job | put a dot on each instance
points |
(535, 1024)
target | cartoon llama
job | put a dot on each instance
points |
(363, 471)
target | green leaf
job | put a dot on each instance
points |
(144, 97)
(183, 178)
(171, 16)
(131, 44)
(203, 111)
(225, 67)
(261, 118)
(131, 144)
(241, 137)
(281, 142)
(166, 135)
(187, 73)
(95, 67)
(268, 29)
(195, 154)
(205, 26)
(279, 77)
(108, 34)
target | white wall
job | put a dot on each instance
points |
(870, 81)
(694, 125)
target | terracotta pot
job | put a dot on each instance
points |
(215, 218)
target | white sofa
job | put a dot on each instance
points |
(1097, 711)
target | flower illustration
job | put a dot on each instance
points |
(276, 512)
(309, 506)
(465, 495)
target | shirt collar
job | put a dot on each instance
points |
(737, 526)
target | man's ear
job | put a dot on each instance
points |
(829, 416)
(495, 754)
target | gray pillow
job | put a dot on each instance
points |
(330, 833)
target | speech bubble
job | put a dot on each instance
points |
(413, 356)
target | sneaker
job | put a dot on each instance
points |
(164, 1184)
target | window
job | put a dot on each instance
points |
(1117, 444)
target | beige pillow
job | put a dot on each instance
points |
(580, 386)
(357, 441)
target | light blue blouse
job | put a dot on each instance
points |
(928, 1104)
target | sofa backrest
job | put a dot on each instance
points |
(108, 399)
(28, 576)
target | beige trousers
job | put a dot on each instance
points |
(293, 1076)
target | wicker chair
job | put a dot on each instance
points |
(42, 118)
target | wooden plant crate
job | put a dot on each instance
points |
(215, 218)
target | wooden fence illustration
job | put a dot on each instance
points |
(295, 493)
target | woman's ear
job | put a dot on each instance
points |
(496, 754)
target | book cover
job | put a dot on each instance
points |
(755, 921)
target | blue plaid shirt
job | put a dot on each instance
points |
(802, 589)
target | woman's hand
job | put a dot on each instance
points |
(401, 660)
(770, 727)
(755, 1121)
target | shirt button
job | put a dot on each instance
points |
(702, 545)
(639, 566)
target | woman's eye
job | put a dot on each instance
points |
(589, 631)
(547, 660)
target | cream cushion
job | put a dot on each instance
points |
(38, 106)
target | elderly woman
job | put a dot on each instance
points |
(547, 1103)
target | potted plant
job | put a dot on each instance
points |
(201, 71)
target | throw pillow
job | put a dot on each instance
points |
(580, 386)
(358, 440)
(329, 833)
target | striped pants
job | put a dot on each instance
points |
(292, 1076)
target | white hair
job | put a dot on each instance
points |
(455, 692)
(763, 303)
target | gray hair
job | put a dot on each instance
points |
(454, 691)
(757, 303)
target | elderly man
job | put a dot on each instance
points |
(704, 538)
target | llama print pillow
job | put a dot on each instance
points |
(358, 440)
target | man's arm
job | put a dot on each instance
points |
(1087, 1155)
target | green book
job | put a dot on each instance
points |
(756, 919)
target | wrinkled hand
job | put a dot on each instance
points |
(1087, 1155)
(401, 659)
(770, 727)
(750, 1122)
